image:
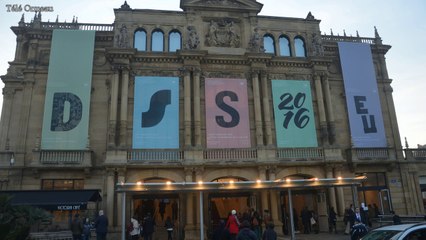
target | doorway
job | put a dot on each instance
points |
(160, 207)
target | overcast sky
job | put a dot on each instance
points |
(401, 24)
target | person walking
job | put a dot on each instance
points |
(169, 228)
(134, 234)
(332, 219)
(245, 232)
(76, 227)
(87, 229)
(101, 225)
(148, 227)
(233, 225)
(270, 233)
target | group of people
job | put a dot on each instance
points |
(82, 230)
(245, 226)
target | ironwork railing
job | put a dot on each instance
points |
(155, 155)
(230, 154)
(62, 157)
(298, 154)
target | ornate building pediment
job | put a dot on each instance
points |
(240, 5)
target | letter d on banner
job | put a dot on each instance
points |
(69, 82)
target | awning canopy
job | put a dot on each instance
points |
(54, 199)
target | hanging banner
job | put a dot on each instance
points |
(294, 117)
(156, 113)
(227, 118)
(69, 82)
(362, 97)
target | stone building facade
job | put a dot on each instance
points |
(208, 43)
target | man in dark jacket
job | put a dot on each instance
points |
(245, 232)
(101, 225)
(148, 227)
(76, 227)
(270, 233)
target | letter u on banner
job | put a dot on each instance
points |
(362, 97)
(69, 82)
(156, 113)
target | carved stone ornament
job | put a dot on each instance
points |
(317, 48)
(223, 33)
(256, 42)
(193, 40)
(122, 38)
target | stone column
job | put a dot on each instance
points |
(148, 41)
(393, 119)
(123, 110)
(277, 46)
(27, 95)
(263, 193)
(329, 107)
(197, 107)
(257, 109)
(189, 201)
(291, 42)
(266, 108)
(166, 42)
(112, 128)
(198, 177)
(119, 213)
(110, 185)
(19, 47)
(274, 195)
(340, 197)
(331, 190)
(32, 53)
(187, 107)
(321, 109)
(8, 94)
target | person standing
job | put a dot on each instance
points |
(148, 227)
(245, 232)
(76, 227)
(270, 233)
(233, 224)
(87, 229)
(101, 225)
(306, 220)
(169, 228)
(134, 234)
(332, 219)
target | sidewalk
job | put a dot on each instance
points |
(319, 236)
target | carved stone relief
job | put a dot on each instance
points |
(223, 33)
(193, 41)
(122, 38)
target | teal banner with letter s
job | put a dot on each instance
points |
(69, 82)
(294, 116)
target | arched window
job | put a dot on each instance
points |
(268, 44)
(284, 46)
(299, 47)
(157, 43)
(174, 41)
(140, 40)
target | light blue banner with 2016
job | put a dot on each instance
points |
(362, 97)
(69, 82)
(294, 117)
(156, 113)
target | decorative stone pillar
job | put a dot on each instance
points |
(340, 196)
(263, 193)
(112, 128)
(197, 108)
(329, 106)
(266, 108)
(187, 106)
(189, 226)
(257, 109)
(121, 178)
(8, 94)
(274, 195)
(292, 50)
(148, 41)
(123, 110)
(331, 192)
(110, 184)
(321, 109)
(22, 130)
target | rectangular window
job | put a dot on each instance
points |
(62, 184)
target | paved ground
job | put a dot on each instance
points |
(319, 236)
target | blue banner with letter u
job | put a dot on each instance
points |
(362, 97)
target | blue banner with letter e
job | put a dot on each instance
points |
(362, 97)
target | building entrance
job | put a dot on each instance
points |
(221, 205)
(302, 201)
(160, 207)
